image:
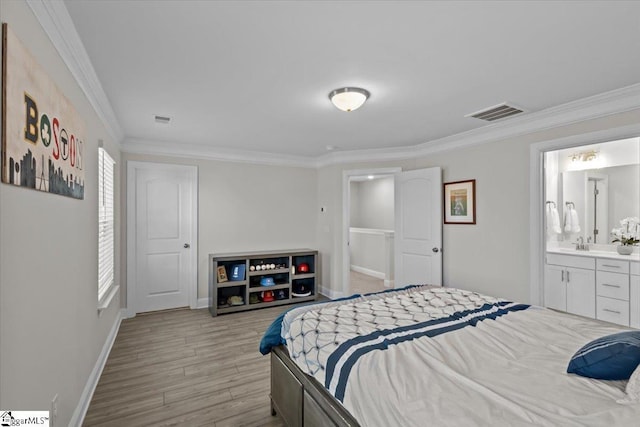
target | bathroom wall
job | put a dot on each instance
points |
(372, 203)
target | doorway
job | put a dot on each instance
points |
(551, 188)
(368, 235)
(415, 255)
(161, 236)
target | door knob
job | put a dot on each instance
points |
(187, 246)
(435, 250)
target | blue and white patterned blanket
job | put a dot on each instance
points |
(443, 356)
(326, 341)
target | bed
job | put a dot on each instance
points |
(437, 356)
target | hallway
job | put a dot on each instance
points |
(363, 284)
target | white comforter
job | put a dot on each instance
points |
(507, 370)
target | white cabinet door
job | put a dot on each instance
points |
(581, 291)
(555, 289)
(634, 303)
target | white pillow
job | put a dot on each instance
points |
(633, 388)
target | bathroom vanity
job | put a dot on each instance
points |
(598, 284)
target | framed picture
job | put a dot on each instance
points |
(460, 202)
(222, 274)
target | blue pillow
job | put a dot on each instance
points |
(613, 357)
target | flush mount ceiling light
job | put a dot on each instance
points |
(348, 98)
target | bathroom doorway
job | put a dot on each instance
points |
(545, 186)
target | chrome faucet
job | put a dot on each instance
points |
(580, 246)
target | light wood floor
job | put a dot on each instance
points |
(363, 284)
(186, 368)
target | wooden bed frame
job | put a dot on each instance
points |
(299, 399)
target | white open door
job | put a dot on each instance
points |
(418, 234)
(163, 274)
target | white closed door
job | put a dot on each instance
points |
(164, 237)
(418, 233)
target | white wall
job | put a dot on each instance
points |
(624, 197)
(371, 252)
(354, 204)
(492, 256)
(50, 332)
(372, 204)
(551, 190)
(245, 207)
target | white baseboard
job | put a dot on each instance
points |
(368, 271)
(83, 405)
(330, 293)
(202, 303)
(389, 283)
(128, 313)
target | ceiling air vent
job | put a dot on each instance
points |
(162, 119)
(496, 112)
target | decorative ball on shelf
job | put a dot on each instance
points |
(252, 268)
(273, 266)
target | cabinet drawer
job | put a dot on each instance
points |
(634, 302)
(571, 261)
(634, 268)
(612, 285)
(613, 265)
(613, 310)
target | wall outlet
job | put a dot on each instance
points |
(53, 414)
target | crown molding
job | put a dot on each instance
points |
(601, 105)
(205, 152)
(56, 22)
(593, 107)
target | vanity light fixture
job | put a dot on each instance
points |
(586, 156)
(348, 98)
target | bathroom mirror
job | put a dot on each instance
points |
(592, 188)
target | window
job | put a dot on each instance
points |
(106, 253)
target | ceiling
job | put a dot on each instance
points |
(255, 76)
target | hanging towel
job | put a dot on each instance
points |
(575, 222)
(571, 221)
(553, 221)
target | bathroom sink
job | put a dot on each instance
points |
(574, 251)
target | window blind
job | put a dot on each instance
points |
(106, 251)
